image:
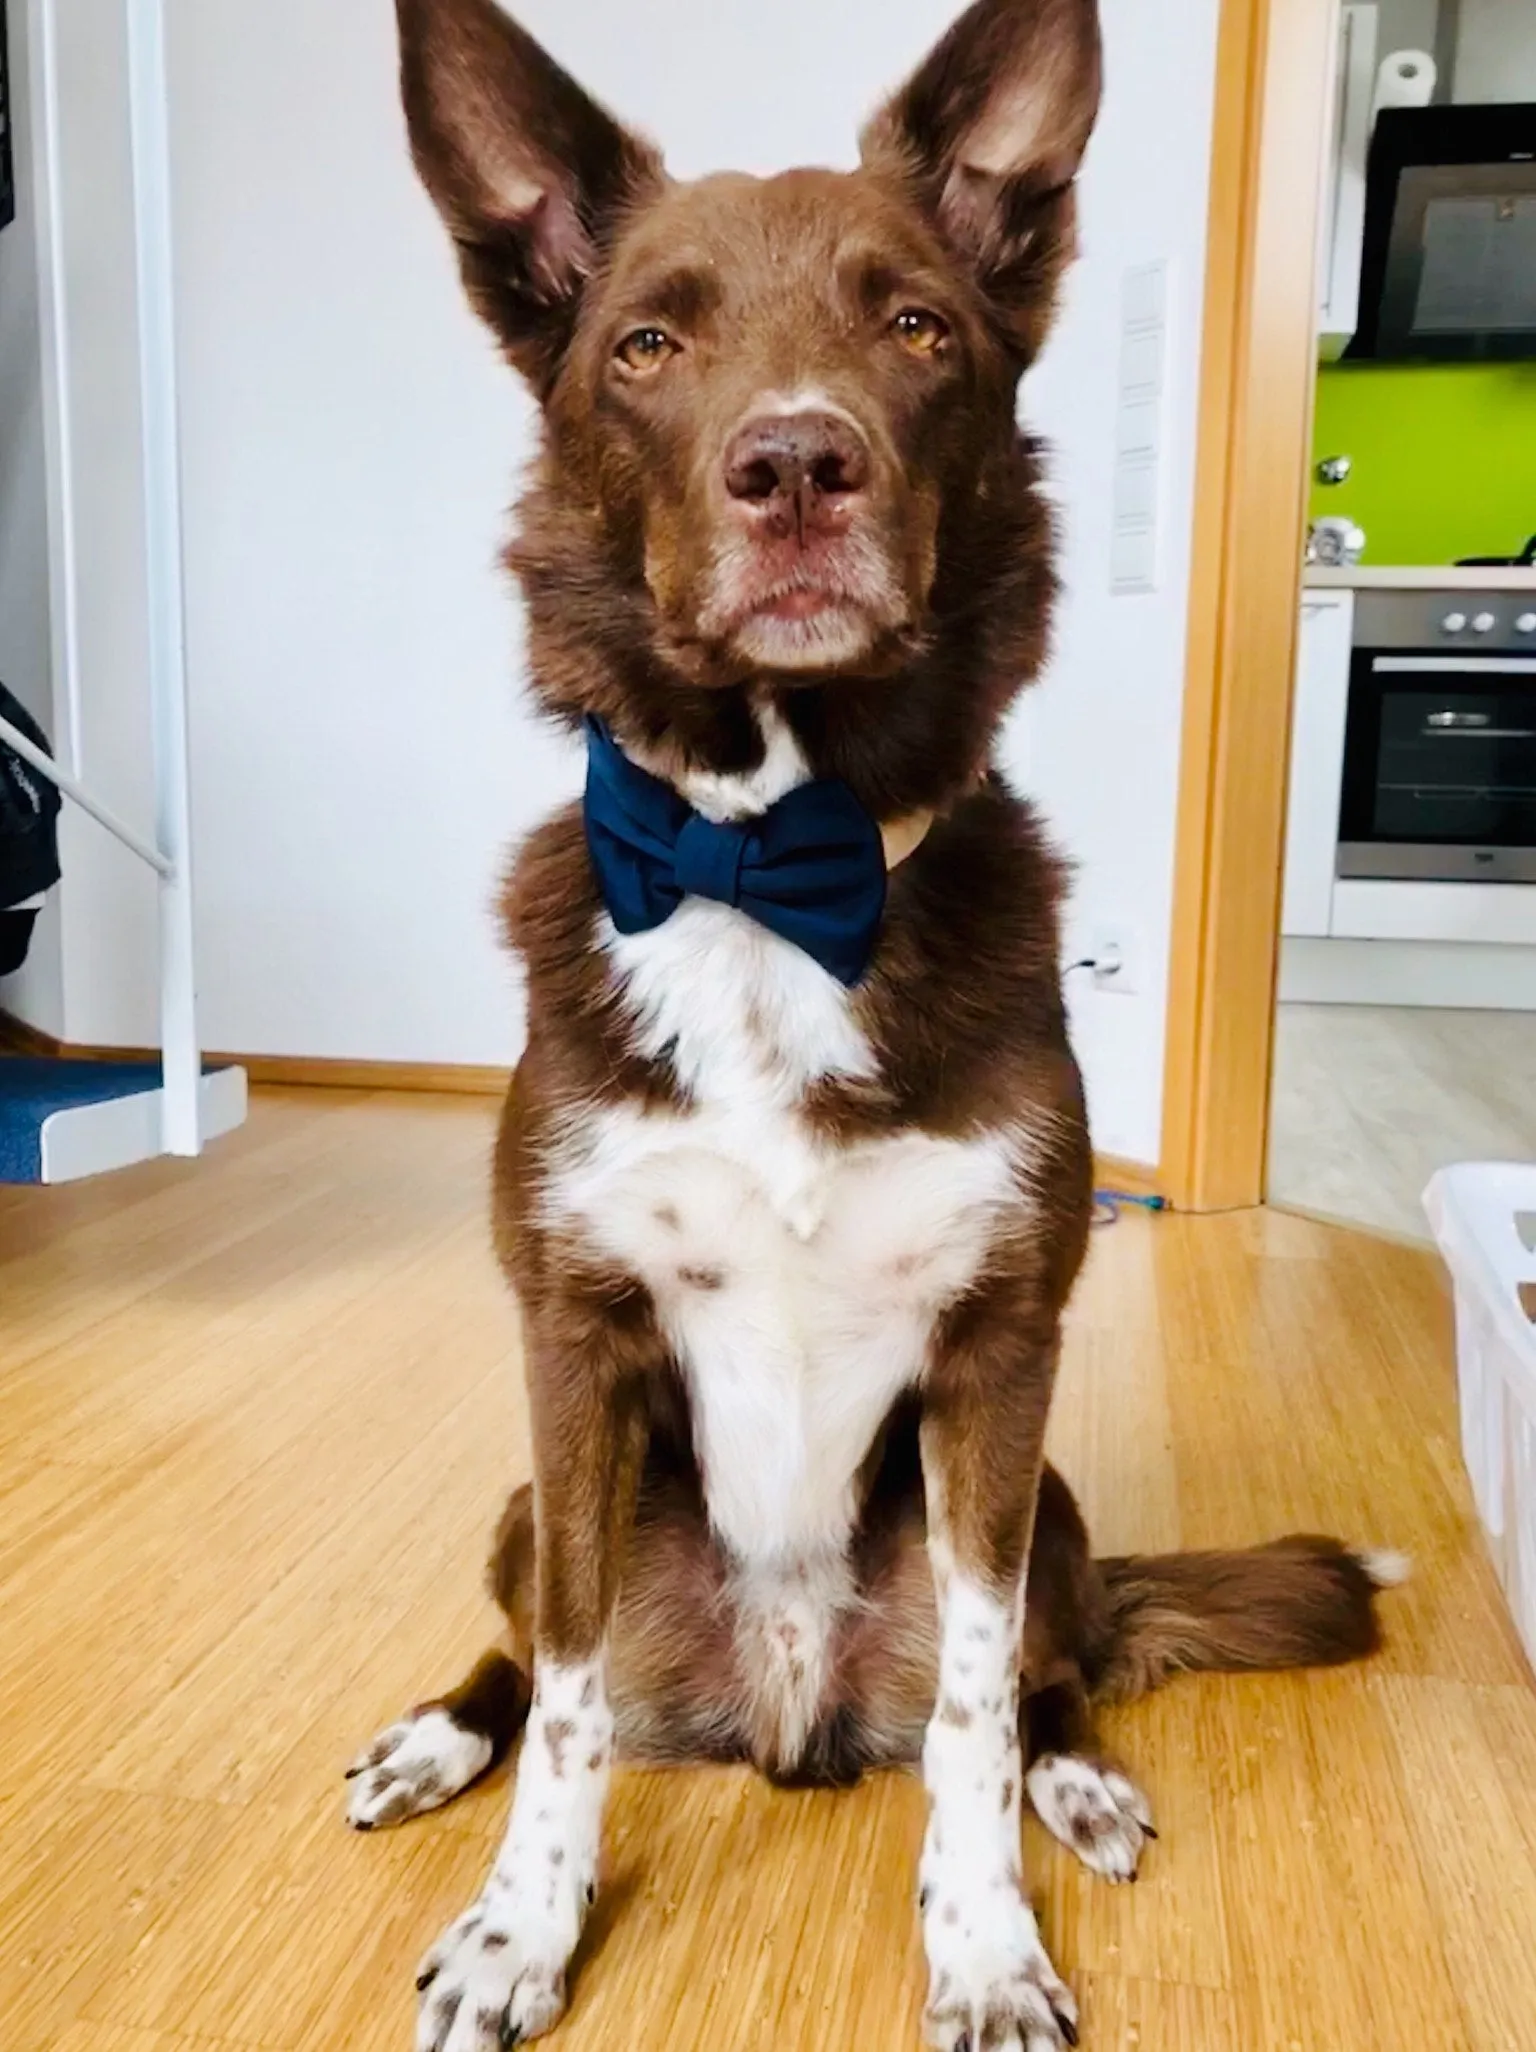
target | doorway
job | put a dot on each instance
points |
(1405, 1035)
(1278, 111)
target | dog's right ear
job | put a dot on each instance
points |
(528, 172)
(989, 133)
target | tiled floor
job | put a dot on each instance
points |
(1370, 1100)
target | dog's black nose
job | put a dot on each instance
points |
(798, 465)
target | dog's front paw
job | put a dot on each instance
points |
(1096, 1812)
(992, 1986)
(496, 1977)
(416, 1765)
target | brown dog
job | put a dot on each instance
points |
(794, 1181)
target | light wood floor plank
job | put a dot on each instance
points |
(96, 2037)
(259, 1415)
(1176, 1930)
(1474, 1853)
(32, 1220)
(1156, 2016)
(84, 1882)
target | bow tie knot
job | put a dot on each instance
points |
(708, 857)
(811, 868)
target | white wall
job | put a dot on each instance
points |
(1099, 742)
(1407, 25)
(36, 992)
(1496, 50)
(351, 445)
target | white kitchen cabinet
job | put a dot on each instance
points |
(1380, 909)
(1319, 708)
(1341, 228)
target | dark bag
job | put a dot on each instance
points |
(29, 834)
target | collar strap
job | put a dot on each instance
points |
(903, 837)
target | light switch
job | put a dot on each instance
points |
(1139, 429)
(1136, 492)
(1136, 428)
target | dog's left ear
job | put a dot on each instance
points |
(527, 170)
(989, 132)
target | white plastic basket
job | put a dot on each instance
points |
(1484, 1216)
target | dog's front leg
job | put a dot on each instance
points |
(497, 1976)
(985, 1400)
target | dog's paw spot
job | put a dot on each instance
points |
(1096, 1812)
(416, 1765)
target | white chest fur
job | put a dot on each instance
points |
(797, 1283)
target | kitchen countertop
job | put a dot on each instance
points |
(1415, 577)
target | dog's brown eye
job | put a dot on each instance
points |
(646, 349)
(923, 332)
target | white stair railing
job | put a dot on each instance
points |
(149, 114)
(170, 853)
(29, 752)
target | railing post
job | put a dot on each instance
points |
(150, 122)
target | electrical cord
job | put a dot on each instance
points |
(1107, 1204)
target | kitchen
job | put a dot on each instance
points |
(1406, 1025)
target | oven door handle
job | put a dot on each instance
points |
(1461, 666)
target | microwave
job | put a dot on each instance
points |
(1448, 269)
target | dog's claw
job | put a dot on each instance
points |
(1066, 2026)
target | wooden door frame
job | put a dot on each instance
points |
(1257, 382)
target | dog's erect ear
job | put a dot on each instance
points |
(527, 170)
(990, 130)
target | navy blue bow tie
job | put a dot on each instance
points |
(811, 868)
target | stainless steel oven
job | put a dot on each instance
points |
(1440, 739)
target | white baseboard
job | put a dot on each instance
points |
(1458, 975)
(91, 1139)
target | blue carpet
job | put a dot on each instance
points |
(33, 1087)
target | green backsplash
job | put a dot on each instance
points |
(1444, 457)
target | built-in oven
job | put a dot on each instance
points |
(1440, 738)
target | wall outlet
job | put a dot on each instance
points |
(1116, 959)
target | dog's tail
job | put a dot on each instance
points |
(1298, 1602)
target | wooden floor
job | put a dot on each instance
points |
(257, 1417)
